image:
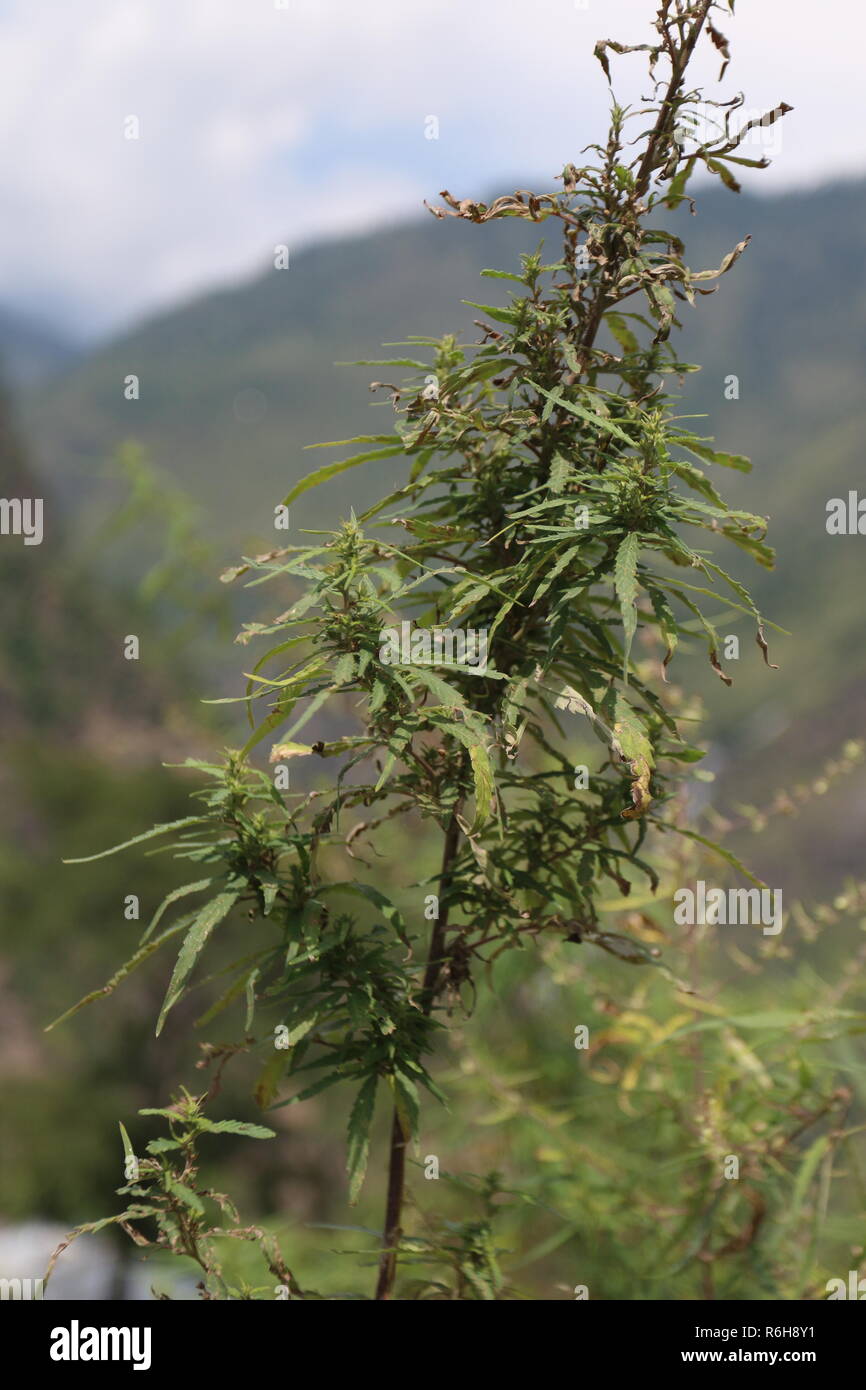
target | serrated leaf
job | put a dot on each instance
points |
(717, 849)
(667, 623)
(385, 362)
(624, 336)
(600, 421)
(562, 562)
(331, 470)
(133, 963)
(407, 1103)
(509, 316)
(209, 917)
(360, 1120)
(300, 1030)
(482, 770)
(627, 588)
(249, 1131)
(710, 632)
(186, 1195)
(503, 275)
(559, 471)
(269, 1079)
(632, 744)
(484, 784)
(444, 693)
(139, 839)
(356, 439)
(228, 996)
(170, 898)
(702, 451)
(373, 895)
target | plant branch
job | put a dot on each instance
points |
(397, 1156)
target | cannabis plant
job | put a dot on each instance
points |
(164, 1189)
(552, 539)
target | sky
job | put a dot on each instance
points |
(262, 122)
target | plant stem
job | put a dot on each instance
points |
(397, 1157)
(393, 1210)
(658, 139)
(680, 59)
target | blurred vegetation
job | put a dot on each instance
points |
(593, 1141)
(604, 1166)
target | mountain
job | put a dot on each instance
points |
(30, 351)
(234, 384)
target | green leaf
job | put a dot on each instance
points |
(357, 439)
(128, 1151)
(386, 362)
(138, 839)
(717, 849)
(695, 479)
(482, 771)
(563, 561)
(626, 585)
(668, 624)
(360, 1121)
(600, 421)
(241, 1127)
(444, 693)
(323, 1083)
(301, 1029)
(503, 275)
(331, 470)
(559, 472)
(267, 726)
(509, 316)
(702, 451)
(769, 1018)
(315, 704)
(228, 996)
(711, 635)
(186, 1195)
(624, 336)
(806, 1172)
(173, 897)
(143, 954)
(269, 1079)
(209, 917)
(373, 895)
(406, 1102)
(632, 744)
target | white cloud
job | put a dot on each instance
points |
(260, 123)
